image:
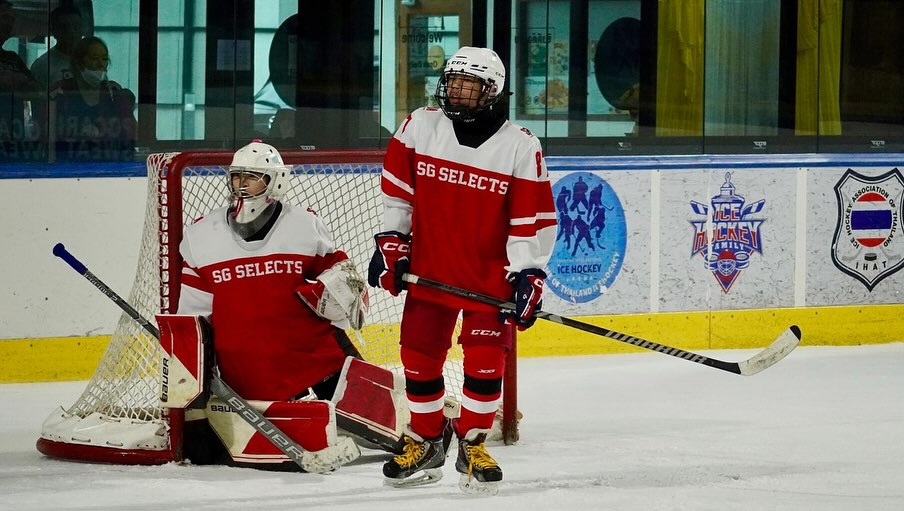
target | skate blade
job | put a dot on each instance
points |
(427, 476)
(472, 486)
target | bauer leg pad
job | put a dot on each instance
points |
(184, 367)
(311, 424)
(371, 404)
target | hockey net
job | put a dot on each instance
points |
(117, 418)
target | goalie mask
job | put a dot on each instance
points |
(257, 179)
(471, 84)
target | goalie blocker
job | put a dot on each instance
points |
(367, 407)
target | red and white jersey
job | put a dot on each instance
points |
(474, 214)
(269, 345)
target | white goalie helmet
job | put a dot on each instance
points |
(480, 63)
(257, 178)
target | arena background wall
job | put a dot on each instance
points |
(642, 276)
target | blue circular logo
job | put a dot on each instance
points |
(590, 244)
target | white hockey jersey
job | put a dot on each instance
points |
(474, 214)
(269, 345)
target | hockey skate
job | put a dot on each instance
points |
(421, 461)
(480, 474)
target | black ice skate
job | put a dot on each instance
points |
(421, 461)
(479, 471)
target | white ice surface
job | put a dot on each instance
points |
(822, 430)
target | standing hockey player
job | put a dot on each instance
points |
(278, 295)
(467, 202)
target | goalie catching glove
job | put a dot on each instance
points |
(337, 294)
(527, 292)
(390, 261)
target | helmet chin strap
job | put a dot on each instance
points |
(234, 210)
(248, 229)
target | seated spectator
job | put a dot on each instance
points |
(92, 118)
(66, 28)
(17, 93)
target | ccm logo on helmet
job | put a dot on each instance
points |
(486, 333)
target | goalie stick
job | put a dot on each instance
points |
(780, 347)
(309, 462)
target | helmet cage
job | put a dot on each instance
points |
(487, 95)
(242, 179)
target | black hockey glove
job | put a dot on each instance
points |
(527, 292)
(390, 261)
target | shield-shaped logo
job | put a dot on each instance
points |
(868, 243)
(727, 233)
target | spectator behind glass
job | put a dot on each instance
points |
(66, 28)
(17, 89)
(94, 117)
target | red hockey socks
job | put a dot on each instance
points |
(483, 368)
(426, 391)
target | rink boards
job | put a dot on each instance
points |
(696, 252)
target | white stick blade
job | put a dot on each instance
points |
(776, 351)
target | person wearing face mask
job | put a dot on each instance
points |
(92, 117)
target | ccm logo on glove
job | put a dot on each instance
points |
(390, 261)
(402, 248)
(527, 292)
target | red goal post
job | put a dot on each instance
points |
(117, 419)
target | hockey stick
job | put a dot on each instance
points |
(309, 462)
(784, 344)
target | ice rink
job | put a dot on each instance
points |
(822, 430)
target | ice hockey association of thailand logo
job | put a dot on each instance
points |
(868, 243)
(735, 233)
(591, 238)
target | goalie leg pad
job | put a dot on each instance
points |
(311, 424)
(187, 351)
(370, 404)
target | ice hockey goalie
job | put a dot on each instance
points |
(364, 404)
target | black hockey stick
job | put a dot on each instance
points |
(309, 463)
(784, 344)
